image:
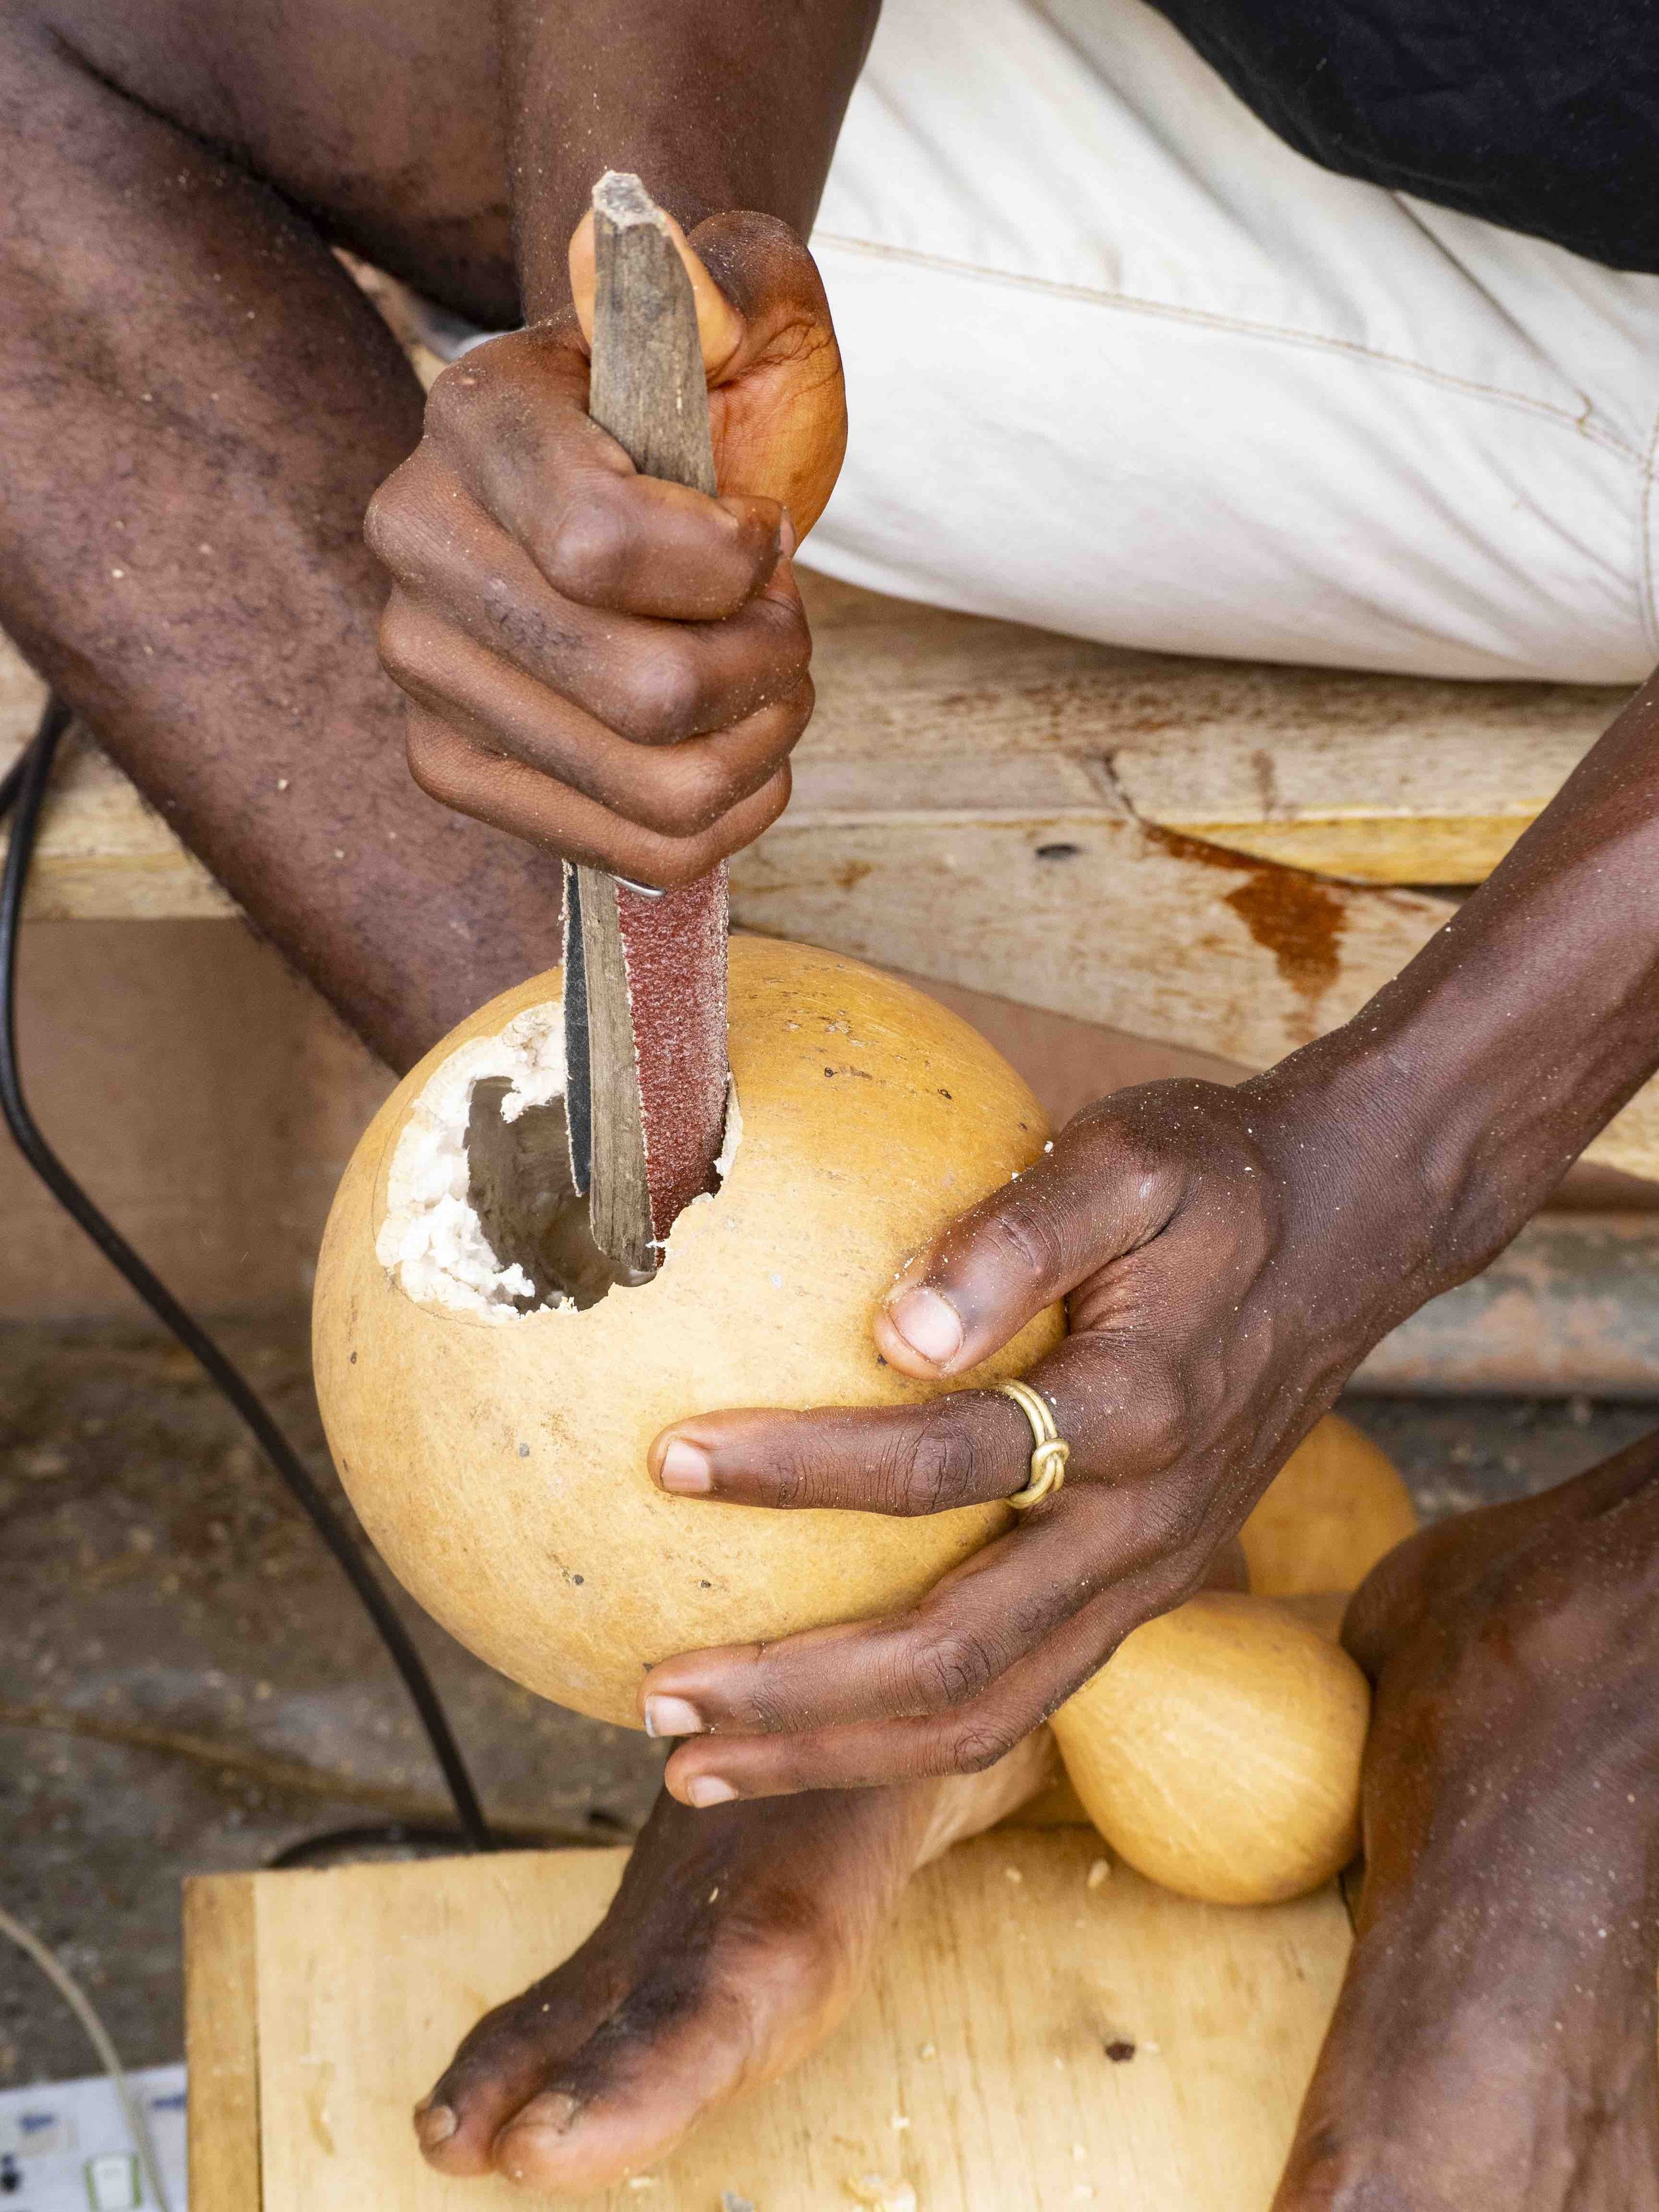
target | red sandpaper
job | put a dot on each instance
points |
(674, 945)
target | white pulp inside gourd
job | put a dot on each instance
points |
(432, 1242)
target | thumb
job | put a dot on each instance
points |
(719, 325)
(1086, 1202)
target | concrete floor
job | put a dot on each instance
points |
(186, 1684)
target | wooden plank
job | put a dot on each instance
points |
(1095, 915)
(1090, 913)
(1378, 778)
(102, 855)
(1384, 779)
(221, 2045)
(985, 2028)
(1423, 849)
(991, 807)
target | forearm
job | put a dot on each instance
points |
(1482, 1071)
(726, 103)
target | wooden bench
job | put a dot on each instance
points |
(1027, 2044)
(1224, 857)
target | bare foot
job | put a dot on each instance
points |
(739, 1938)
(1493, 2046)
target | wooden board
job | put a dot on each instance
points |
(986, 2028)
(1010, 811)
(1379, 779)
(221, 2045)
(1092, 915)
(102, 854)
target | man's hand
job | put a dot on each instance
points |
(609, 666)
(1220, 1287)
(1229, 1256)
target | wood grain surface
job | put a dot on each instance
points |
(976, 2067)
(221, 2045)
(920, 710)
(1014, 812)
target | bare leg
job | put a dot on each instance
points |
(195, 405)
(1493, 2047)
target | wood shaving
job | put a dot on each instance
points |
(874, 2189)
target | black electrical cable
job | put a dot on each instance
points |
(24, 786)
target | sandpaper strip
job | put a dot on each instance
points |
(674, 950)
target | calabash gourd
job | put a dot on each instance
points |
(1219, 1750)
(493, 1442)
(1335, 1509)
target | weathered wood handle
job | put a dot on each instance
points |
(645, 996)
(648, 387)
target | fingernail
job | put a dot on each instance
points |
(928, 1324)
(435, 2125)
(708, 1789)
(685, 1470)
(788, 540)
(666, 1716)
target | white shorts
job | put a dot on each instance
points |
(1121, 363)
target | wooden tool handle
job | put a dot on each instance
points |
(648, 387)
(644, 972)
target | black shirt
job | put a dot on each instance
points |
(1542, 115)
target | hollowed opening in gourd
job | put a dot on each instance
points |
(483, 1215)
(531, 1215)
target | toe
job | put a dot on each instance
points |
(503, 2065)
(622, 2101)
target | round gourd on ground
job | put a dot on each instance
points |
(496, 1455)
(1335, 1509)
(1219, 1749)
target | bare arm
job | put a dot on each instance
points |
(718, 104)
(1228, 1257)
(613, 668)
(1477, 1077)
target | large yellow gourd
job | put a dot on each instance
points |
(1219, 1750)
(498, 1464)
(1335, 1509)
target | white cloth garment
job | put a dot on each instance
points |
(1121, 363)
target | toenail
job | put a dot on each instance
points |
(685, 1470)
(666, 1716)
(928, 1324)
(708, 1789)
(552, 2112)
(435, 2125)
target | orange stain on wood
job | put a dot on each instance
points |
(1298, 918)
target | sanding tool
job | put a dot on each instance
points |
(645, 971)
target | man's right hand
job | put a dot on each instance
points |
(609, 666)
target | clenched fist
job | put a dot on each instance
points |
(613, 667)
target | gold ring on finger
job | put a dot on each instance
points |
(1050, 1450)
